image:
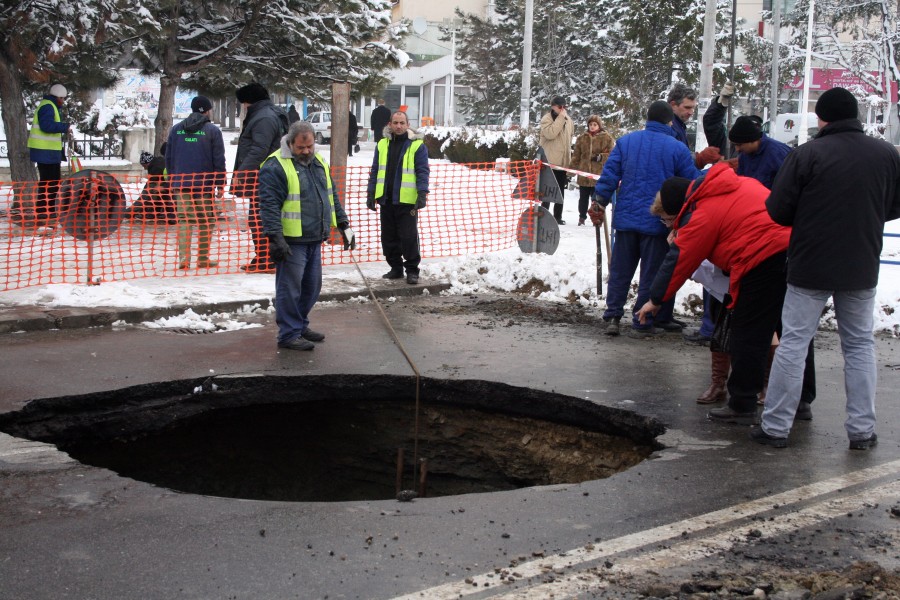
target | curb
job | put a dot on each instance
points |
(34, 318)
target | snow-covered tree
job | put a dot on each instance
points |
(48, 41)
(859, 36)
(296, 46)
(611, 57)
(568, 39)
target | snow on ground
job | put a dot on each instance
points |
(569, 275)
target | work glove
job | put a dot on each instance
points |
(596, 213)
(370, 203)
(707, 156)
(348, 236)
(279, 249)
(421, 199)
(726, 94)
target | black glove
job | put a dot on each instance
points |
(421, 199)
(348, 236)
(370, 203)
(279, 249)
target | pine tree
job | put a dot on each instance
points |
(41, 43)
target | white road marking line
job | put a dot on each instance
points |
(581, 555)
(689, 551)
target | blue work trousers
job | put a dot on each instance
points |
(298, 282)
(632, 248)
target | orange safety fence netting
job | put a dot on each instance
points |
(94, 227)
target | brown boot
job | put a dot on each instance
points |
(721, 362)
(761, 398)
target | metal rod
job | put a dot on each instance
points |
(399, 469)
(423, 474)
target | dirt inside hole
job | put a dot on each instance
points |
(338, 441)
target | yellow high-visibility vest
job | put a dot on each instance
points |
(40, 139)
(291, 224)
(408, 191)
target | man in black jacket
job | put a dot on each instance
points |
(381, 116)
(836, 191)
(261, 131)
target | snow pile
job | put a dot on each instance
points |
(214, 322)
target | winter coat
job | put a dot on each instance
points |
(48, 124)
(714, 127)
(837, 191)
(590, 154)
(315, 212)
(724, 220)
(680, 129)
(556, 139)
(381, 116)
(260, 136)
(763, 164)
(420, 162)
(352, 131)
(637, 166)
(195, 146)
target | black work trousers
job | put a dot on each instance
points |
(400, 236)
(755, 317)
(46, 203)
(563, 181)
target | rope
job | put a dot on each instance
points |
(409, 360)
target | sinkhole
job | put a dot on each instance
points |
(339, 437)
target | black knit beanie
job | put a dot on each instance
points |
(252, 92)
(661, 112)
(672, 194)
(744, 130)
(837, 104)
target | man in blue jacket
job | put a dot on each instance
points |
(45, 147)
(195, 161)
(636, 167)
(759, 156)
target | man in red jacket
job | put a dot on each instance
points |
(722, 218)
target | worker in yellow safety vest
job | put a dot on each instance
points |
(298, 207)
(45, 147)
(398, 182)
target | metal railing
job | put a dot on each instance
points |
(86, 146)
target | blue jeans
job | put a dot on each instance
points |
(633, 247)
(800, 319)
(298, 281)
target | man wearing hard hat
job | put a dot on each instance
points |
(45, 145)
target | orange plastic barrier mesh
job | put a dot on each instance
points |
(93, 227)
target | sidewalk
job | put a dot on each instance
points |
(37, 318)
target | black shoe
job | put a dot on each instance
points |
(804, 412)
(412, 278)
(560, 222)
(258, 267)
(726, 414)
(643, 334)
(297, 344)
(761, 437)
(393, 274)
(313, 336)
(865, 444)
(696, 338)
(613, 328)
(670, 326)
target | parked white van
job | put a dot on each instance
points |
(321, 124)
(787, 127)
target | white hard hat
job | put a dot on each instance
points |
(58, 90)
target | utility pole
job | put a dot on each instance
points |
(807, 77)
(525, 98)
(709, 50)
(708, 56)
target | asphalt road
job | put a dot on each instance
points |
(710, 499)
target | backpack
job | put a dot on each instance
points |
(283, 119)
